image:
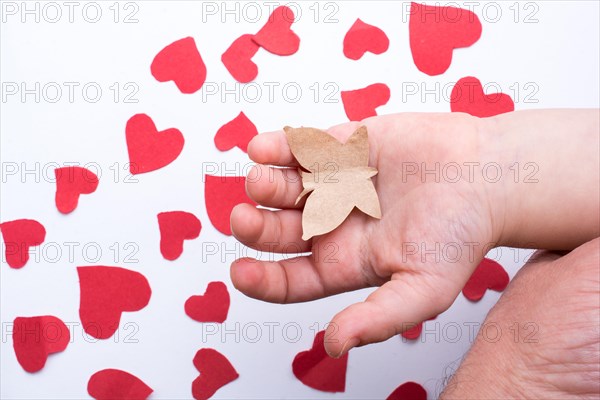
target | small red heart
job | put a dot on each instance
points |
(362, 37)
(70, 183)
(414, 332)
(361, 103)
(213, 306)
(19, 235)
(221, 194)
(34, 338)
(317, 370)
(276, 36)
(408, 391)
(488, 275)
(175, 227)
(215, 372)
(181, 63)
(467, 96)
(238, 59)
(114, 384)
(148, 148)
(436, 31)
(237, 132)
(106, 292)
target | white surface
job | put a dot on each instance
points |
(558, 55)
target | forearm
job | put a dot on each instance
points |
(549, 190)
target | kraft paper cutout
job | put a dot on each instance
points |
(338, 178)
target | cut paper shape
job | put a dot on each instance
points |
(362, 37)
(71, 182)
(435, 31)
(317, 370)
(221, 194)
(181, 63)
(237, 132)
(213, 306)
(467, 96)
(238, 59)
(215, 372)
(339, 178)
(19, 235)
(276, 36)
(106, 292)
(148, 148)
(35, 338)
(114, 384)
(175, 227)
(488, 275)
(415, 332)
(408, 391)
(362, 103)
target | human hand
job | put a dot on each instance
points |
(433, 232)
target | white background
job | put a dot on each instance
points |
(556, 57)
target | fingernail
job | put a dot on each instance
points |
(348, 345)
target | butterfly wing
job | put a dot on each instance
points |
(323, 211)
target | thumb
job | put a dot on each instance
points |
(393, 308)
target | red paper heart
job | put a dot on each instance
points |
(34, 338)
(221, 194)
(436, 31)
(181, 63)
(106, 292)
(317, 370)
(70, 183)
(276, 36)
(361, 103)
(175, 227)
(238, 59)
(414, 332)
(362, 37)
(237, 132)
(19, 235)
(467, 96)
(488, 275)
(213, 306)
(148, 148)
(408, 391)
(215, 372)
(114, 384)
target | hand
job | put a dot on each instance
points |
(544, 343)
(433, 232)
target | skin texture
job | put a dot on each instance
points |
(435, 228)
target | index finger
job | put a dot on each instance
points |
(271, 148)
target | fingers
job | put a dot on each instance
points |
(271, 148)
(274, 187)
(286, 281)
(388, 311)
(272, 231)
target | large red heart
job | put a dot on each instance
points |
(317, 370)
(361, 103)
(175, 227)
(276, 36)
(148, 148)
(19, 235)
(467, 96)
(71, 182)
(106, 292)
(181, 63)
(237, 132)
(221, 194)
(238, 59)
(114, 384)
(213, 306)
(488, 275)
(436, 31)
(215, 372)
(408, 391)
(34, 338)
(362, 37)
